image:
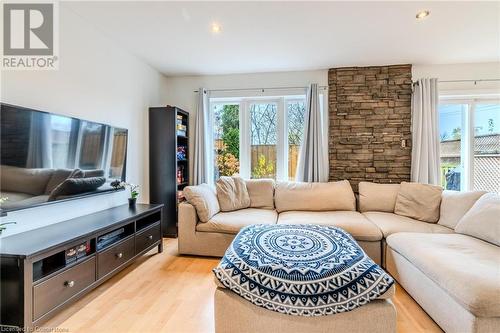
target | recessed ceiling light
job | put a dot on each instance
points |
(216, 28)
(422, 14)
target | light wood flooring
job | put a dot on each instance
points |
(171, 293)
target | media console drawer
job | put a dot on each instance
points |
(114, 257)
(147, 237)
(58, 289)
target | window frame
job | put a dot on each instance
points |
(282, 101)
(468, 131)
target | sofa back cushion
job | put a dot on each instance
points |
(483, 219)
(232, 193)
(419, 201)
(314, 196)
(377, 197)
(261, 192)
(24, 180)
(204, 198)
(455, 204)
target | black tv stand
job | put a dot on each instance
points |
(44, 270)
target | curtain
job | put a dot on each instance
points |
(312, 165)
(425, 132)
(40, 141)
(202, 146)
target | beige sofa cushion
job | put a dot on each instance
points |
(261, 192)
(353, 222)
(455, 204)
(377, 197)
(204, 199)
(314, 196)
(390, 223)
(232, 222)
(22, 180)
(419, 201)
(467, 268)
(232, 193)
(483, 220)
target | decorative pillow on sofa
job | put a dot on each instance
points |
(204, 200)
(232, 193)
(377, 197)
(314, 196)
(419, 201)
(75, 186)
(455, 204)
(261, 192)
(483, 219)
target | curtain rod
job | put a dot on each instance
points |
(456, 81)
(262, 89)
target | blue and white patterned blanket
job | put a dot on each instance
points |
(302, 270)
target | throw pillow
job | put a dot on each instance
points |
(72, 186)
(455, 204)
(419, 201)
(204, 200)
(232, 193)
(483, 219)
(261, 193)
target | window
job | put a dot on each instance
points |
(257, 137)
(470, 144)
(226, 139)
(295, 112)
(263, 139)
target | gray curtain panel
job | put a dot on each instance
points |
(311, 165)
(201, 142)
(425, 132)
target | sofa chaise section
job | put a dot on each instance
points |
(454, 277)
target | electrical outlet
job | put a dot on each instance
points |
(403, 143)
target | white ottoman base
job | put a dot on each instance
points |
(235, 314)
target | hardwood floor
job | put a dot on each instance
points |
(171, 293)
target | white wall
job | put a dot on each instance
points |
(97, 80)
(180, 89)
(477, 71)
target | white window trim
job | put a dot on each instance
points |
(282, 139)
(468, 126)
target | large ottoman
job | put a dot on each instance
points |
(301, 278)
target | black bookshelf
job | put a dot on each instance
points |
(168, 161)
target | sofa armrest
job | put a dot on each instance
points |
(187, 221)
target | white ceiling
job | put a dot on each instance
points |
(175, 37)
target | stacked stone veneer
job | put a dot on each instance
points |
(370, 115)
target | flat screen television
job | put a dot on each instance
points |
(45, 157)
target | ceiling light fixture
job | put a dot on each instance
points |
(216, 28)
(422, 14)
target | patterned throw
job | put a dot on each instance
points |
(301, 270)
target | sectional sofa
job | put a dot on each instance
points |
(454, 276)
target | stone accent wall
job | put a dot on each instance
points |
(370, 115)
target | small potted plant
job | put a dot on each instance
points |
(134, 193)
